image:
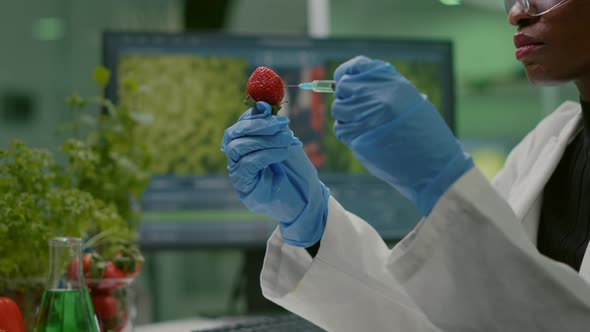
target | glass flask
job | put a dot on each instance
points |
(65, 305)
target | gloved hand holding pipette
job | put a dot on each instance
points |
(395, 132)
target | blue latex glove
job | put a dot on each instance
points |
(395, 132)
(273, 176)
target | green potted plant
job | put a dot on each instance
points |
(93, 195)
(107, 159)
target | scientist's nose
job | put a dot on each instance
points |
(518, 17)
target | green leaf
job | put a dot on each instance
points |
(91, 192)
(130, 85)
(102, 76)
(76, 101)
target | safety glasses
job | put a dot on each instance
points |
(534, 7)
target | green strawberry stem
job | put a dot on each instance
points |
(127, 258)
(97, 266)
(250, 102)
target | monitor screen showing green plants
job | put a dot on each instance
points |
(194, 87)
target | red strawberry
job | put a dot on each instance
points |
(265, 85)
(106, 307)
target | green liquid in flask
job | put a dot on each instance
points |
(66, 311)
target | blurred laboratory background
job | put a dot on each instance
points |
(202, 250)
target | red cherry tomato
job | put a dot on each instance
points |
(110, 280)
(122, 322)
(113, 272)
(10, 317)
(106, 307)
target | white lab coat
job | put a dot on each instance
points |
(471, 265)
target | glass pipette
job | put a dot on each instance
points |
(322, 86)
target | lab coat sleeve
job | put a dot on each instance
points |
(467, 267)
(470, 267)
(347, 286)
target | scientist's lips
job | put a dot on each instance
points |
(525, 45)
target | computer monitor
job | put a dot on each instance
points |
(195, 87)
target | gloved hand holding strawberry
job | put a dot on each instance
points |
(272, 174)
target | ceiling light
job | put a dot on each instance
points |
(49, 29)
(451, 2)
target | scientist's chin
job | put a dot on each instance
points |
(534, 55)
(541, 61)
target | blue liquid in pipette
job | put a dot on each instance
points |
(306, 86)
(322, 86)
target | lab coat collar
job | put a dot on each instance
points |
(552, 135)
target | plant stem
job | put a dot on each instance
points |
(94, 240)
